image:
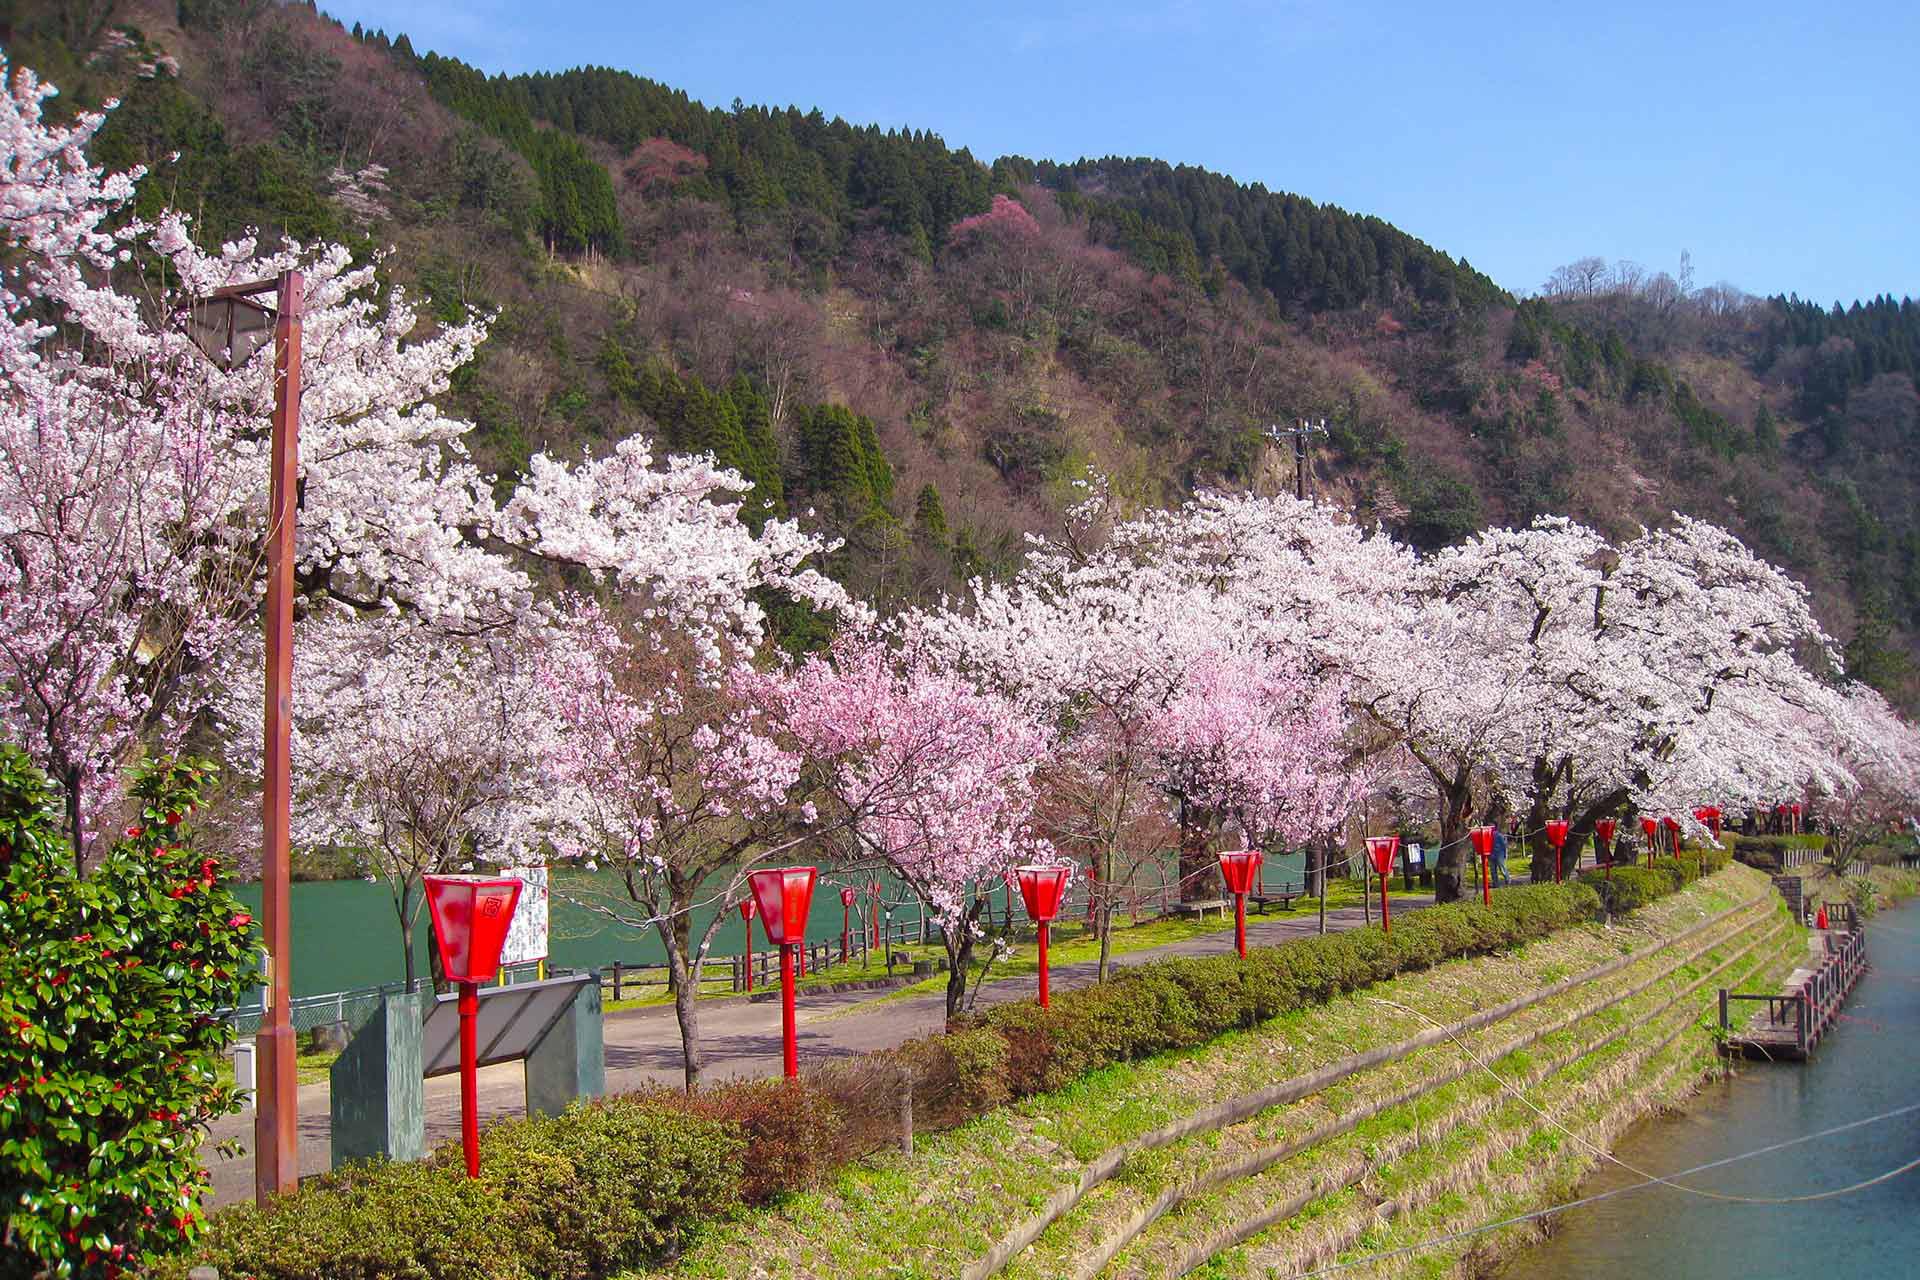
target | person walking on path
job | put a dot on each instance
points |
(1500, 876)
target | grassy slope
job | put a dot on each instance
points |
(945, 1206)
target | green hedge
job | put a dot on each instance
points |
(627, 1181)
(615, 1184)
(1631, 887)
(1015, 1050)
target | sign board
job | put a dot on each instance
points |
(1416, 856)
(527, 935)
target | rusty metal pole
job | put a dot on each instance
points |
(276, 1157)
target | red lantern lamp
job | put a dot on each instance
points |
(1482, 838)
(1557, 837)
(1382, 850)
(1605, 828)
(1795, 809)
(470, 919)
(1042, 889)
(784, 896)
(747, 911)
(1649, 827)
(847, 896)
(1237, 868)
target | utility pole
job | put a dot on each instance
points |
(1299, 431)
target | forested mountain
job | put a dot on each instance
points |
(923, 349)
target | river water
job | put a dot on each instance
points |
(1867, 1066)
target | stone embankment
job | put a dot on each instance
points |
(1393, 1116)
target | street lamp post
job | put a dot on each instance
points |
(1382, 850)
(1557, 837)
(1649, 827)
(470, 919)
(785, 895)
(228, 326)
(846, 924)
(1041, 888)
(1483, 845)
(1237, 868)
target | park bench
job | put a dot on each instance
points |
(1282, 896)
(1201, 907)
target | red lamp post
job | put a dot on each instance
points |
(470, 918)
(1042, 888)
(1382, 850)
(784, 896)
(746, 922)
(1649, 827)
(846, 923)
(1483, 845)
(1605, 828)
(1709, 817)
(1795, 809)
(873, 894)
(1557, 837)
(1780, 817)
(1237, 868)
(1672, 825)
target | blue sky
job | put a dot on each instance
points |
(1776, 142)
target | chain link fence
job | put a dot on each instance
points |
(350, 1007)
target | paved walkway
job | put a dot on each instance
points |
(741, 1039)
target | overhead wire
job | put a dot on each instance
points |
(1467, 1233)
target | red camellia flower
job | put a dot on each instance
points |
(240, 920)
(134, 833)
(173, 819)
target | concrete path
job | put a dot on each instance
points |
(741, 1038)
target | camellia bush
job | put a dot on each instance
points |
(108, 1042)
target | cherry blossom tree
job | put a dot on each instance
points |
(1247, 739)
(414, 750)
(668, 773)
(929, 773)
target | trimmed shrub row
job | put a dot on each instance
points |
(1016, 1050)
(1629, 888)
(627, 1181)
(606, 1186)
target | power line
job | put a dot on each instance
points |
(1470, 1232)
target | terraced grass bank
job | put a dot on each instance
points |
(1398, 1114)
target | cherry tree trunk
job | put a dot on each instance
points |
(1199, 869)
(1456, 814)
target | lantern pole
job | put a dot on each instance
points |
(746, 919)
(1043, 965)
(470, 1075)
(788, 1030)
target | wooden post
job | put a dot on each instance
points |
(616, 979)
(906, 1114)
